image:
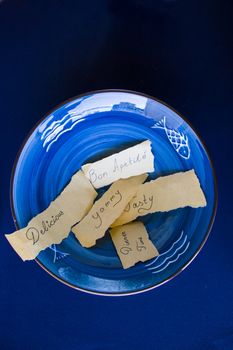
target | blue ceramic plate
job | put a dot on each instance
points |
(86, 129)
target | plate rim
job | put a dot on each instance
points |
(182, 268)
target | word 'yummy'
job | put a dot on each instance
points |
(113, 200)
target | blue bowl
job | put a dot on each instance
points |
(87, 128)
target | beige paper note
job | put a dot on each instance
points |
(54, 223)
(132, 161)
(163, 194)
(105, 210)
(133, 244)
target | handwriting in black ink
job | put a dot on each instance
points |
(47, 224)
(125, 250)
(125, 238)
(33, 235)
(130, 161)
(119, 199)
(112, 201)
(144, 205)
(94, 176)
(140, 245)
(97, 217)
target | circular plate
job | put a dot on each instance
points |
(88, 128)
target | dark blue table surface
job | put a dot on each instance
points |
(178, 51)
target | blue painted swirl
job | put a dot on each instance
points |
(87, 129)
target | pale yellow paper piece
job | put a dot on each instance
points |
(105, 210)
(163, 194)
(132, 161)
(54, 223)
(133, 244)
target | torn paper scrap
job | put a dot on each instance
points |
(132, 161)
(163, 194)
(54, 223)
(105, 210)
(133, 244)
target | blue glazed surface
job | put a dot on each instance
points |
(87, 129)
